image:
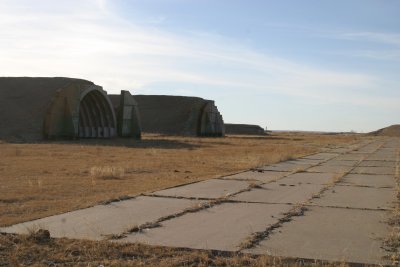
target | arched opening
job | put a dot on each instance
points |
(96, 119)
(211, 122)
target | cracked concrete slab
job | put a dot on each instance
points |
(381, 158)
(303, 161)
(322, 156)
(330, 234)
(262, 176)
(351, 156)
(357, 197)
(330, 169)
(99, 221)
(221, 227)
(286, 167)
(309, 178)
(277, 192)
(369, 180)
(374, 170)
(377, 163)
(339, 163)
(371, 148)
(209, 189)
(340, 150)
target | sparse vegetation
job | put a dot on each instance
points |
(255, 238)
(20, 250)
(392, 242)
(43, 179)
(46, 179)
(107, 172)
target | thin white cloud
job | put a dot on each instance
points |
(378, 37)
(86, 39)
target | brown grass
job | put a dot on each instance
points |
(27, 251)
(107, 172)
(43, 179)
(392, 242)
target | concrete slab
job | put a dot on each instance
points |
(377, 163)
(264, 176)
(374, 170)
(322, 156)
(340, 150)
(286, 167)
(381, 157)
(330, 169)
(365, 150)
(330, 234)
(352, 156)
(370, 148)
(304, 161)
(392, 151)
(385, 156)
(222, 227)
(276, 192)
(96, 222)
(369, 180)
(357, 197)
(336, 163)
(214, 188)
(308, 178)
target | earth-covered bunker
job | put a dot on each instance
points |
(38, 108)
(180, 115)
(244, 129)
(127, 112)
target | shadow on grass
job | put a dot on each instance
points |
(128, 142)
(265, 138)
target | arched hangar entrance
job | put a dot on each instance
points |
(96, 116)
(80, 112)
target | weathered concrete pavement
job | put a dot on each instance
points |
(345, 195)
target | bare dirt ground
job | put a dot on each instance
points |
(39, 180)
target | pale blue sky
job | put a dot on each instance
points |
(300, 65)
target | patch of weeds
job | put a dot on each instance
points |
(107, 172)
(157, 223)
(255, 186)
(118, 199)
(114, 236)
(140, 228)
(40, 236)
(257, 237)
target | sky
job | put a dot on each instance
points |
(315, 65)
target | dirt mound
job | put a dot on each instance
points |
(393, 130)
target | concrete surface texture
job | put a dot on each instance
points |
(128, 117)
(197, 230)
(98, 222)
(245, 129)
(179, 115)
(36, 108)
(330, 234)
(209, 189)
(257, 175)
(325, 215)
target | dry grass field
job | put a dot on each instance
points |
(42, 179)
(34, 251)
